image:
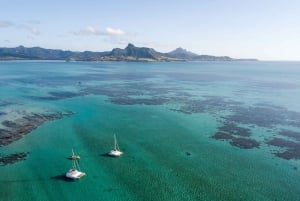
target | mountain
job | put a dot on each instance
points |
(133, 53)
(37, 53)
(182, 53)
(22, 52)
(130, 53)
(190, 56)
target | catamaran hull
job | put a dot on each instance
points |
(75, 157)
(115, 153)
(74, 174)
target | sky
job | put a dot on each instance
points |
(262, 29)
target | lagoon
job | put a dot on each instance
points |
(189, 130)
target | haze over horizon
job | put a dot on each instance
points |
(266, 30)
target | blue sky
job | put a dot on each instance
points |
(263, 29)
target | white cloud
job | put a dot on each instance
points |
(114, 32)
(90, 31)
(115, 36)
(4, 24)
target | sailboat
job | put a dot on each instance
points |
(116, 151)
(74, 157)
(75, 173)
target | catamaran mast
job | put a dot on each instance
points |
(115, 141)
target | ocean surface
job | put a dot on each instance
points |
(203, 131)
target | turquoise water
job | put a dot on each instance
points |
(166, 117)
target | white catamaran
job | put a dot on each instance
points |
(75, 173)
(116, 151)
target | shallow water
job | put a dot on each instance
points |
(189, 131)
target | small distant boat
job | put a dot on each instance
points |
(74, 157)
(75, 173)
(116, 151)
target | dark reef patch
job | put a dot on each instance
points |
(208, 104)
(267, 116)
(4, 134)
(2, 131)
(56, 96)
(290, 134)
(222, 136)
(2, 113)
(63, 94)
(264, 116)
(236, 136)
(233, 129)
(129, 89)
(268, 105)
(261, 114)
(124, 93)
(135, 101)
(292, 148)
(13, 158)
(289, 154)
(244, 143)
(128, 94)
(181, 111)
(9, 124)
(24, 125)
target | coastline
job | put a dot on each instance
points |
(130, 53)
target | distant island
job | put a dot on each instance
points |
(130, 53)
